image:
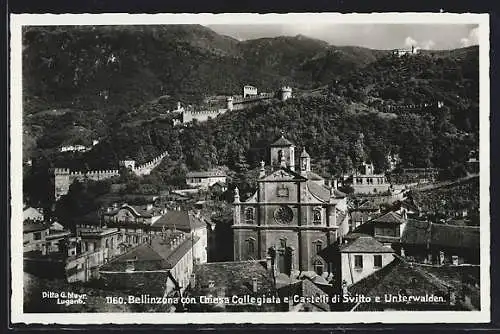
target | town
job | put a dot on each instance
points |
(293, 199)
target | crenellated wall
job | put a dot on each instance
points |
(63, 177)
(201, 116)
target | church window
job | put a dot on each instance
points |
(283, 215)
(249, 215)
(318, 267)
(251, 246)
(280, 155)
(318, 246)
(283, 242)
(317, 216)
(358, 261)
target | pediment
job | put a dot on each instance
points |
(283, 175)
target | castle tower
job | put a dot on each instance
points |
(285, 93)
(305, 162)
(229, 103)
(61, 182)
(283, 149)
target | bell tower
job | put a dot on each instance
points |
(283, 153)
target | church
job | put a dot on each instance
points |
(292, 217)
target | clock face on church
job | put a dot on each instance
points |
(283, 215)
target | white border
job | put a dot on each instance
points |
(17, 315)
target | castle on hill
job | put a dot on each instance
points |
(63, 177)
(249, 98)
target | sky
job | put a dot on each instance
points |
(374, 36)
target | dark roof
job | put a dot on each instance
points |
(282, 141)
(441, 235)
(156, 255)
(365, 244)
(339, 194)
(389, 217)
(34, 227)
(304, 288)
(181, 220)
(354, 235)
(392, 279)
(234, 277)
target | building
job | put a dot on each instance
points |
(291, 217)
(432, 289)
(32, 214)
(34, 237)
(137, 214)
(305, 296)
(362, 257)
(432, 243)
(403, 52)
(229, 287)
(368, 182)
(387, 228)
(158, 267)
(191, 223)
(205, 179)
(362, 213)
(249, 91)
(105, 240)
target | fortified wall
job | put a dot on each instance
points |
(63, 177)
(409, 107)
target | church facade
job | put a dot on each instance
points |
(292, 217)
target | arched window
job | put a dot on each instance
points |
(251, 247)
(249, 215)
(317, 216)
(318, 246)
(280, 155)
(107, 243)
(318, 267)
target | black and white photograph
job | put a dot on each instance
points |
(250, 168)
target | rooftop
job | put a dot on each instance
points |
(365, 244)
(210, 173)
(282, 142)
(389, 218)
(427, 233)
(180, 220)
(34, 227)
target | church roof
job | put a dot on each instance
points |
(304, 154)
(283, 174)
(319, 191)
(313, 176)
(282, 141)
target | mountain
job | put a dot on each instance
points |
(94, 67)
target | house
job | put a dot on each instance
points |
(403, 286)
(368, 182)
(362, 213)
(205, 179)
(362, 257)
(106, 240)
(304, 296)
(32, 214)
(138, 214)
(34, 236)
(240, 286)
(188, 222)
(160, 266)
(81, 264)
(387, 228)
(433, 243)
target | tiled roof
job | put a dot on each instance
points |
(34, 227)
(389, 217)
(354, 235)
(32, 213)
(304, 288)
(282, 141)
(394, 278)
(235, 277)
(365, 244)
(432, 234)
(320, 192)
(369, 205)
(156, 255)
(181, 220)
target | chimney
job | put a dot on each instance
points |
(192, 281)
(254, 284)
